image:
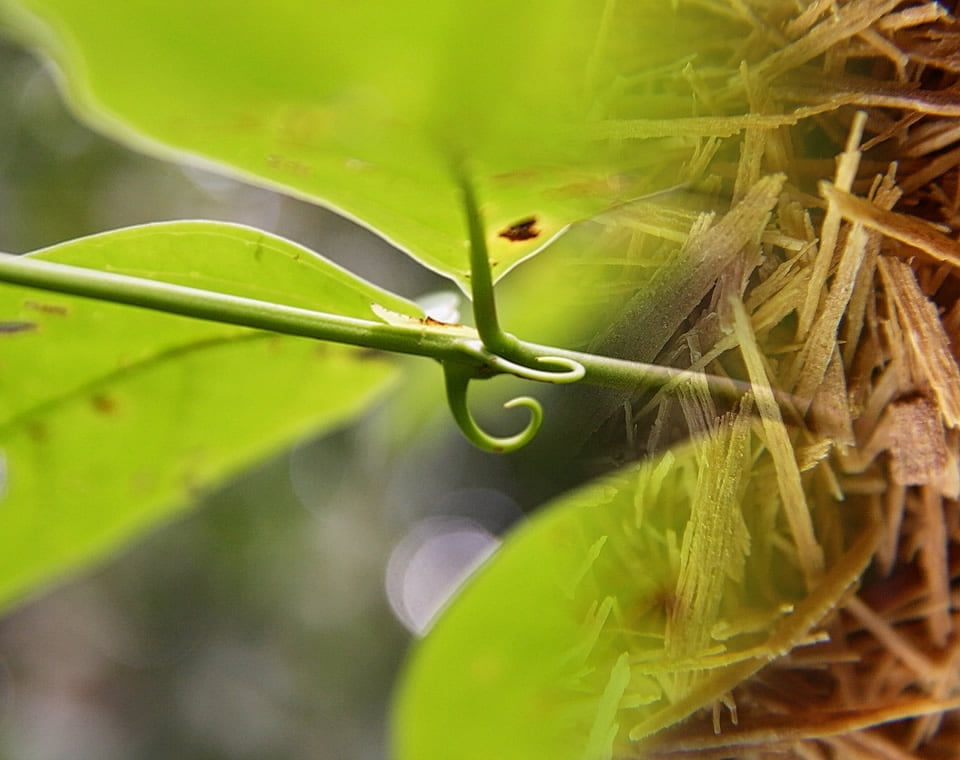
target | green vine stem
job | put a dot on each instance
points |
(481, 278)
(463, 356)
(485, 316)
(420, 339)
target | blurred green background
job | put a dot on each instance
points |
(260, 627)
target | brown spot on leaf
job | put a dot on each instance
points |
(525, 229)
(15, 327)
(47, 308)
(431, 322)
(103, 404)
(37, 431)
(367, 355)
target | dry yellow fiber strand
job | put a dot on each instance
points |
(849, 299)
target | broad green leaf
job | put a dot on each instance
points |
(365, 107)
(619, 610)
(112, 418)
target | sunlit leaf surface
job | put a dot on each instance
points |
(620, 610)
(114, 418)
(365, 107)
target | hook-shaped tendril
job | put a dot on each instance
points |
(457, 378)
(568, 370)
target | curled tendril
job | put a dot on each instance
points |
(569, 370)
(494, 344)
(457, 379)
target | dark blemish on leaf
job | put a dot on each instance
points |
(103, 404)
(16, 327)
(37, 432)
(47, 308)
(525, 229)
(431, 322)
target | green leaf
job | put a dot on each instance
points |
(619, 610)
(113, 418)
(365, 107)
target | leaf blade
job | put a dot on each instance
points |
(365, 109)
(114, 419)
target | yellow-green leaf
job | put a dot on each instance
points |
(113, 418)
(365, 107)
